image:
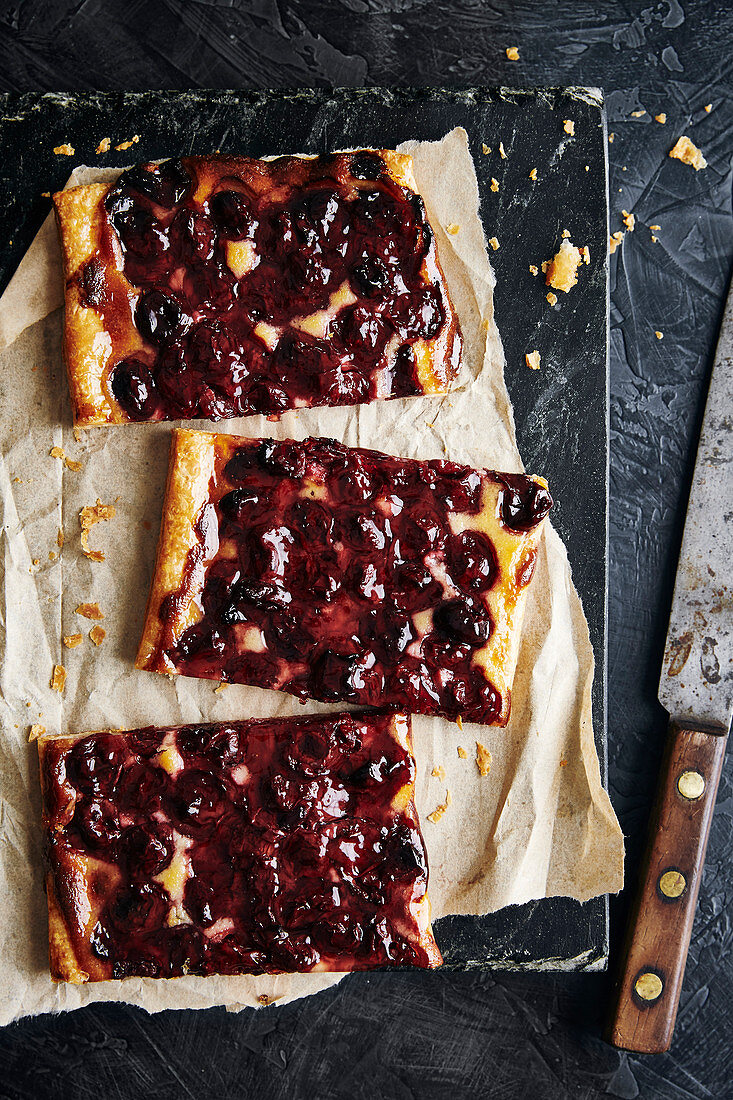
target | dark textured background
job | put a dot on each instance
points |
(476, 1034)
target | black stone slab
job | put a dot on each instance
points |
(560, 410)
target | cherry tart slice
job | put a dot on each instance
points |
(343, 575)
(237, 848)
(218, 286)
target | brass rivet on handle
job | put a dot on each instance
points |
(691, 785)
(672, 884)
(648, 986)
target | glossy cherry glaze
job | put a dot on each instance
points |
(227, 256)
(294, 855)
(339, 577)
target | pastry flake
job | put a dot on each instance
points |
(243, 847)
(342, 574)
(223, 286)
(686, 151)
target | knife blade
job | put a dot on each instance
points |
(696, 689)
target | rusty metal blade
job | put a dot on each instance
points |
(697, 674)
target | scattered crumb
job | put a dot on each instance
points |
(533, 269)
(512, 53)
(569, 126)
(629, 220)
(103, 146)
(502, 154)
(659, 335)
(483, 759)
(57, 452)
(493, 241)
(587, 167)
(637, 114)
(220, 687)
(90, 611)
(662, 118)
(654, 239)
(624, 169)
(64, 150)
(36, 731)
(72, 464)
(52, 555)
(494, 184)
(615, 240)
(128, 144)
(485, 148)
(657, 227)
(459, 722)
(264, 1000)
(97, 634)
(438, 772)
(88, 516)
(562, 271)
(563, 763)
(59, 678)
(551, 298)
(686, 151)
(585, 253)
(71, 641)
(565, 234)
(610, 138)
(452, 229)
(36, 561)
(44, 195)
(77, 435)
(532, 359)
(438, 812)
(533, 173)
(708, 108)
(60, 538)
(462, 753)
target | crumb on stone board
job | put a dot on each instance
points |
(90, 611)
(708, 108)
(565, 234)
(659, 335)
(637, 114)
(128, 144)
(686, 151)
(71, 641)
(502, 154)
(562, 271)
(104, 146)
(532, 359)
(439, 810)
(36, 731)
(97, 634)
(494, 184)
(615, 240)
(551, 298)
(483, 759)
(629, 220)
(485, 148)
(533, 269)
(569, 126)
(59, 678)
(661, 118)
(585, 253)
(64, 150)
(610, 138)
(512, 53)
(494, 242)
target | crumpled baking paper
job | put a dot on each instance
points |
(538, 825)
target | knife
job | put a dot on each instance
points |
(696, 688)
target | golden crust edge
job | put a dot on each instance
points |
(190, 467)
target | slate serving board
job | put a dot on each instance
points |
(561, 411)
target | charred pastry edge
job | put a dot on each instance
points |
(192, 461)
(87, 345)
(64, 964)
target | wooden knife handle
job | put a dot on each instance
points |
(653, 958)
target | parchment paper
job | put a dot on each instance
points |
(539, 824)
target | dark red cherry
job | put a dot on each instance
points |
(366, 166)
(164, 184)
(193, 236)
(134, 389)
(418, 313)
(523, 503)
(464, 622)
(232, 215)
(472, 560)
(159, 317)
(148, 847)
(372, 277)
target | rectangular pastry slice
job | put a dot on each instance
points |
(343, 574)
(219, 286)
(238, 848)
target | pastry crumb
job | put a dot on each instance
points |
(610, 138)
(97, 634)
(439, 810)
(532, 359)
(71, 641)
(494, 242)
(36, 731)
(64, 150)
(533, 173)
(637, 114)
(77, 434)
(656, 227)
(661, 118)
(264, 1000)
(57, 452)
(59, 678)
(60, 538)
(438, 772)
(659, 335)
(104, 146)
(90, 611)
(686, 151)
(462, 753)
(483, 759)
(72, 464)
(569, 126)
(494, 184)
(565, 234)
(459, 722)
(220, 687)
(512, 53)
(708, 108)
(585, 253)
(452, 229)
(563, 763)
(36, 561)
(88, 516)
(562, 270)
(551, 298)
(128, 144)
(615, 240)
(52, 555)
(629, 220)
(533, 269)
(502, 154)
(485, 148)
